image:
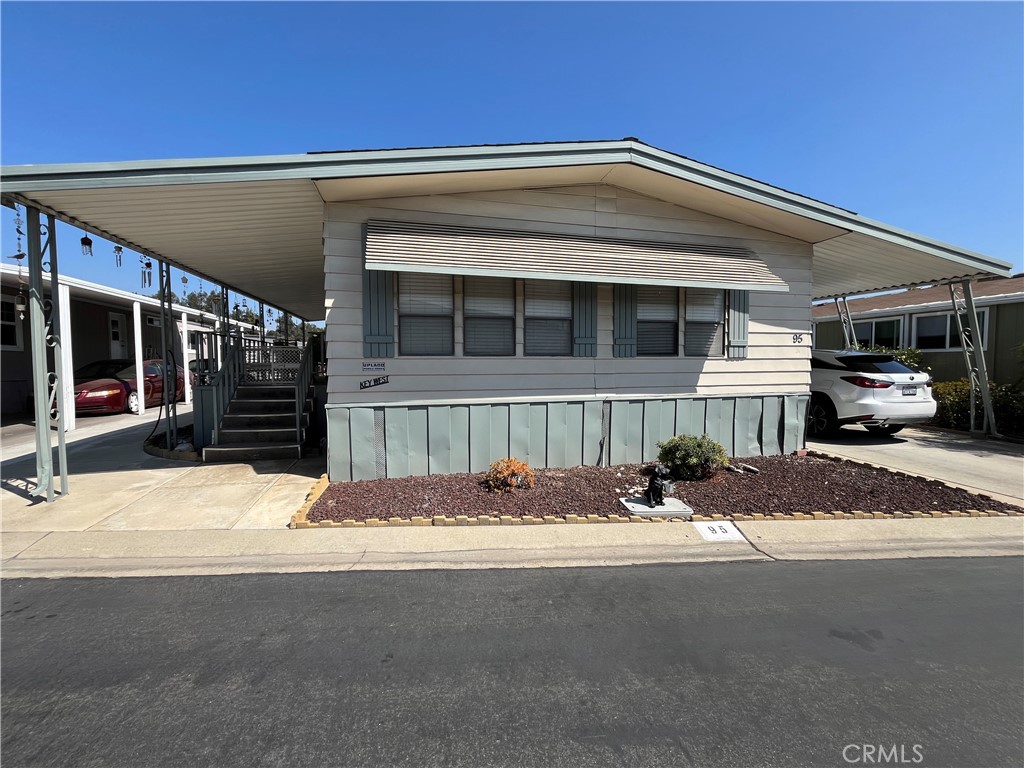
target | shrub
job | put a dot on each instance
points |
(954, 405)
(692, 458)
(505, 475)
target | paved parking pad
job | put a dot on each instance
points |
(992, 467)
(113, 485)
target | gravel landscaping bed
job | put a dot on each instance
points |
(786, 484)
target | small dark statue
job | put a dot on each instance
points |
(660, 484)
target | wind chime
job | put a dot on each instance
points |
(86, 245)
(118, 253)
(147, 271)
(20, 301)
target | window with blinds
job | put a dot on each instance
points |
(548, 318)
(489, 316)
(704, 333)
(426, 309)
(657, 320)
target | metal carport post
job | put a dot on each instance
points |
(47, 385)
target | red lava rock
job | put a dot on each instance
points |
(786, 484)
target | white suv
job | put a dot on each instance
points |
(873, 390)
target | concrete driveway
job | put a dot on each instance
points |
(114, 485)
(992, 467)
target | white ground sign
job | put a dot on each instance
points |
(722, 530)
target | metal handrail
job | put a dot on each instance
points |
(303, 376)
(225, 382)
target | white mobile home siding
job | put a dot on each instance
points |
(779, 331)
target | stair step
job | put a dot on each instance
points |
(262, 406)
(262, 420)
(266, 435)
(265, 391)
(252, 451)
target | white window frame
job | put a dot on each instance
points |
(18, 324)
(678, 322)
(527, 318)
(951, 331)
(455, 316)
(887, 318)
(724, 322)
(468, 317)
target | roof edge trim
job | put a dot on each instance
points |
(41, 178)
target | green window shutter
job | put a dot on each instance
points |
(584, 320)
(378, 314)
(625, 321)
(739, 319)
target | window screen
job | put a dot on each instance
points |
(931, 332)
(657, 320)
(426, 307)
(887, 333)
(704, 334)
(977, 337)
(489, 316)
(548, 321)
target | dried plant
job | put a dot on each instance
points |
(505, 475)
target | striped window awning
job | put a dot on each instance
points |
(400, 246)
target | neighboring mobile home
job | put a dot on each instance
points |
(102, 326)
(922, 318)
(568, 303)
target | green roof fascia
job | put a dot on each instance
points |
(41, 178)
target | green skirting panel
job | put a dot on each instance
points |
(398, 440)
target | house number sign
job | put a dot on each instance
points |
(722, 530)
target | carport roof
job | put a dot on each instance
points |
(255, 224)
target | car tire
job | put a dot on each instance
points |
(821, 417)
(131, 403)
(884, 429)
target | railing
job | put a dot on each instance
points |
(303, 376)
(224, 384)
(267, 363)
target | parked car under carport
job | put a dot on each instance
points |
(109, 386)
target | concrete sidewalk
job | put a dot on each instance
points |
(166, 553)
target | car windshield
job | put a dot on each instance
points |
(873, 364)
(101, 369)
(127, 373)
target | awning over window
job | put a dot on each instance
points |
(414, 247)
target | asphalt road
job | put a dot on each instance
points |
(742, 664)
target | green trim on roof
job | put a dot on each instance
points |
(27, 179)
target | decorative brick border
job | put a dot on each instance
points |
(300, 519)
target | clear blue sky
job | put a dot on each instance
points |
(911, 113)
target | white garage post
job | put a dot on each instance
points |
(67, 363)
(184, 355)
(139, 373)
(216, 344)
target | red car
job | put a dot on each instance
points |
(108, 386)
